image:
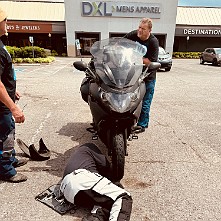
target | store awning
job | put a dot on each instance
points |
(47, 11)
(198, 16)
(34, 11)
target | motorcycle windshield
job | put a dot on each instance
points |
(118, 61)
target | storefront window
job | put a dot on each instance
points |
(86, 41)
(116, 35)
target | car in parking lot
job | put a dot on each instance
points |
(211, 55)
(164, 59)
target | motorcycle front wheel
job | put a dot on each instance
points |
(118, 157)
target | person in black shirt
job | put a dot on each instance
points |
(9, 113)
(144, 36)
(85, 182)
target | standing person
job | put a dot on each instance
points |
(144, 36)
(85, 182)
(9, 112)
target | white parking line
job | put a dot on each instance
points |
(40, 128)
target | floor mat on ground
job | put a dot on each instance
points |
(53, 198)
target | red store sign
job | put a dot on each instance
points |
(29, 27)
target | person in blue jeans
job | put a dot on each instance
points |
(144, 36)
(145, 111)
(10, 113)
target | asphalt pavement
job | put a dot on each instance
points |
(173, 170)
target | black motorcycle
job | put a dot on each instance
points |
(115, 89)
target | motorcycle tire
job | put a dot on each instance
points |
(118, 157)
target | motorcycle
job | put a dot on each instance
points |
(115, 90)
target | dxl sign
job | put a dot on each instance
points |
(120, 9)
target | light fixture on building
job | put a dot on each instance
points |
(187, 41)
(49, 35)
(7, 42)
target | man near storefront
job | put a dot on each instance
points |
(9, 113)
(85, 182)
(144, 36)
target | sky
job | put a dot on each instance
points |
(210, 3)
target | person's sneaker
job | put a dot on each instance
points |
(21, 162)
(92, 217)
(117, 183)
(17, 178)
(98, 216)
(138, 129)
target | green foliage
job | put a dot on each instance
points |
(33, 60)
(28, 51)
(28, 60)
(48, 52)
(17, 60)
(64, 55)
(188, 55)
(14, 51)
(25, 55)
(54, 53)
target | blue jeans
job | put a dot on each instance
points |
(145, 111)
(7, 151)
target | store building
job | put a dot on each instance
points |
(43, 21)
(57, 24)
(89, 21)
(197, 28)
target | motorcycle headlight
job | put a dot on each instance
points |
(103, 95)
(119, 102)
(135, 95)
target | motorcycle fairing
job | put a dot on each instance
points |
(118, 61)
(120, 103)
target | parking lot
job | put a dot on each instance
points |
(173, 170)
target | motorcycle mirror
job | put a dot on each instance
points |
(80, 65)
(154, 66)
